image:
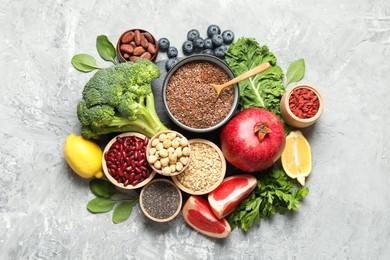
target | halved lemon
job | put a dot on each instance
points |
(296, 156)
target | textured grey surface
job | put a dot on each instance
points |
(346, 46)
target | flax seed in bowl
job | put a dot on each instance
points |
(191, 102)
(206, 170)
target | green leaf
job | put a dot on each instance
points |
(263, 90)
(102, 188)
(100, 205)
(84, 62)
(105, 48)
(123, 211)
(296, 71)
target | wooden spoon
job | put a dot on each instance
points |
(256, 70)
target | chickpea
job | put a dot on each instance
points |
(155, 142)
(171, 149)
(179, 152)
(152, 159)
(173, 157)
(175, 143)
(164, 161)
(157, 165)
(159, 146)
(171, 136)
(152, 151)
(186, 151)
(172, 168)
(183, 160)
(179, 166)
(167, 143)
(162, 137)
(163, 153)
(166, 170)
(183, 142)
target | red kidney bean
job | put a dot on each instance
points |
(135, 182)
(126, 160)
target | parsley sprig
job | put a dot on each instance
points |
(274, 193)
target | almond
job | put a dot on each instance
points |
(127, 48)
(144, 42)
(128, 37)
(138, 51)
(126, 56)
(134, 58)
(148, 36)
(151, 49)
(146, 55)
(132, 43)
(137, 37)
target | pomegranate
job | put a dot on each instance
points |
(230, 193)
(198, 214)
(253, 140)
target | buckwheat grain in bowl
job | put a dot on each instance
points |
(205, 171)
(191, 101)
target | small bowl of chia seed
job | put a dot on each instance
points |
(160, 200)
(191, 102)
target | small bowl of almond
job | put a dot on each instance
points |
(168, 153)
(136, 44)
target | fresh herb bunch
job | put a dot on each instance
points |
(274, 193)
(105, 201)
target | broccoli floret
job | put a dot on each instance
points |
(120, 99)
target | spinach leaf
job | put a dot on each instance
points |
(102, 188)
(123, 211)
(295, 71)
(105, 48)
(263, 90)
(84, 62)
(100, 205)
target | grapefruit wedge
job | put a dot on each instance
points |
(198, 214)
(230, 193)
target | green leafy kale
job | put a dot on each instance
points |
(273, 194)
(263, 90)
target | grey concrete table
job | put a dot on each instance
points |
(346, 46)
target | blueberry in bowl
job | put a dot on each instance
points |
(188, 47)
(163, 44)
(172, 52)
(192, 34)
(228, 36)
(217, 40)
(213, 30)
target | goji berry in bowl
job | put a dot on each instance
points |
(301, 105)
(125, 163)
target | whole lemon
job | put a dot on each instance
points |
(83, 156)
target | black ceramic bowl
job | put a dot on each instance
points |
(201, 58)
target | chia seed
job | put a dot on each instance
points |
(192, 100)
(160, 199)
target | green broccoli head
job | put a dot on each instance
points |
(143, 72)
(107, 85)
(97, 116)
(120, 99)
